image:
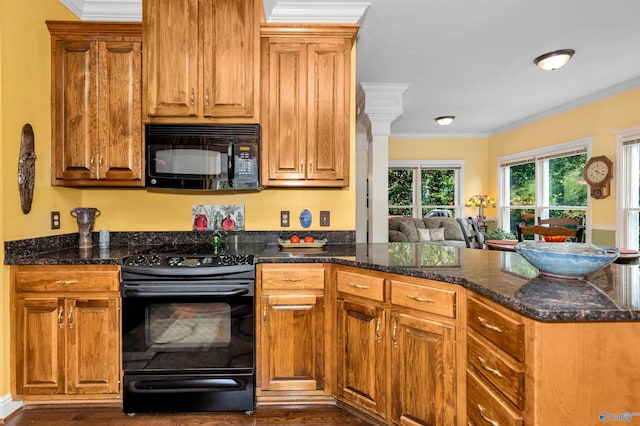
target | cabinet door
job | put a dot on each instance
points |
(423, 371)
(292, 342)
(39, 346)
(361, 356)
(328, 111)
(285, 129)
(230, 54)
(120, 150)
(170, 39)
(93, 349)
(75, 111)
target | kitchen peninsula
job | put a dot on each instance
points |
(492, 335)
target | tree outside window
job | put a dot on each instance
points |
(545, 184)
(415, 191)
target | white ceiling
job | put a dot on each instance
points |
(470, 58)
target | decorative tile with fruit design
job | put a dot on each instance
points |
(217, 217)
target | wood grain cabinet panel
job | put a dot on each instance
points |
(362, 356)
(399, 355)
(498, 326)
(293, 329)
(96, 104)
(65, 343)
(201, 60)
(423, 372)
(306, 89)
(292, 343)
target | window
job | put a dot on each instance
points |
(416, 189)
(629, 193)
(543, 183)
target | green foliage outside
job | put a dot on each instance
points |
(565, 173)
(437, 191)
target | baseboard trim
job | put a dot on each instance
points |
(8, 407)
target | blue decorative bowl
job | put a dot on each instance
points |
(567, 260)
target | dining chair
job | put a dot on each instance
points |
(549, 231)
(561, 221)
(565, 222)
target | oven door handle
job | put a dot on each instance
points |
(145, 293)
(184, 385)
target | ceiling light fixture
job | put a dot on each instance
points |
(554, 60)
(445, 120)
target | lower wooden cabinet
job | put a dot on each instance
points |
(292, 332)
(522, 371)
(423, 371)
(397, 355)
(65, 332)
(362, 356)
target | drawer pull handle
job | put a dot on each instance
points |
(60, 313)
(70, 317)
(364, 287)
(484, 365)
(484, 416)
(292, 280)
(485, 324)
(420, 299)
(67, 282)
(378, 337)
(393, 335)
(193, 95)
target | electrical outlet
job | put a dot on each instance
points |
(325, 218)
(284, 218)
(55, 220)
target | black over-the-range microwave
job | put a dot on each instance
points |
(202, 156)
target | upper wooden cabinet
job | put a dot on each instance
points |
(306, 88)
(95, 100)
(201, 60)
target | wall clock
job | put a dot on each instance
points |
(598, 173)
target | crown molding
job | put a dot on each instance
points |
(275, 10)
(106, 10)
(315, 11)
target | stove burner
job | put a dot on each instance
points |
(189, 261)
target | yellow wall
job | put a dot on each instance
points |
(598, 120)
(474, 152)
(25, 98)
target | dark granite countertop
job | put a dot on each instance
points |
(612, 294)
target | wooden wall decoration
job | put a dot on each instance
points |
(26, 168)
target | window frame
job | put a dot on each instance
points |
(417, 166)
(538, 157)
(624, 177)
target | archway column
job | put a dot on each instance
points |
(382, 105)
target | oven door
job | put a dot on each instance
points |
(188, 352)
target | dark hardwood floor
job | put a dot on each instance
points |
(113, 416)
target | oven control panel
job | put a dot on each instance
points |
(190, 261)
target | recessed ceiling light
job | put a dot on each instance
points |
(445, 120)
(554, 60)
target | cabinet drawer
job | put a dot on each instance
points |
(427, 299)
(504, 374)
(60, 278)
(361, 285)
(485, 408)
(505, 332)
(300, 277)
